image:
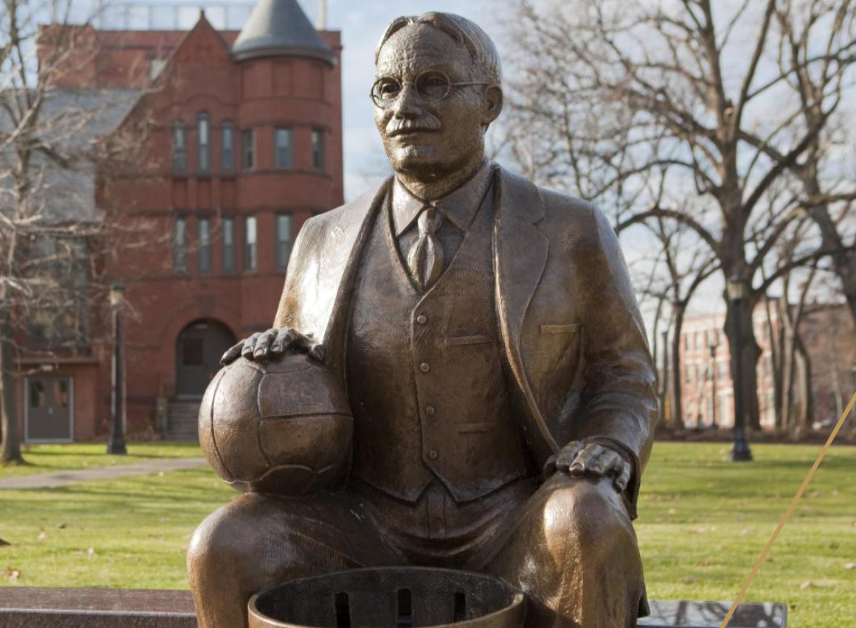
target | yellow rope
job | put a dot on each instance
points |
(788, 513)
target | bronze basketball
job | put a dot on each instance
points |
(282, 427)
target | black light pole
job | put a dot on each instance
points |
(664, 401)
(713, 347)
(740, 451)
(116, 445)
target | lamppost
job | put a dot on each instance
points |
(664, 401)
(713, 346)
(740, 451)
(116, 445)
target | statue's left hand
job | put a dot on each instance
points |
(579, 459)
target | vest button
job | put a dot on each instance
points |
(421, 319)
(430, 410)
(433, 454)
(424, 367)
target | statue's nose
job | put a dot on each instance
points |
(408, 103)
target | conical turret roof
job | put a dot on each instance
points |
(280, 28)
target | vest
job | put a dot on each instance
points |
(425, 373)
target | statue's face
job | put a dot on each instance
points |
(425, 136)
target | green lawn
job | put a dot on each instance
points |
(703, 522)
(49, 458)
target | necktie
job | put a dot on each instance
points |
(426, 257)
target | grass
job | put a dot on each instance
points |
(50, 458)
(703, 522)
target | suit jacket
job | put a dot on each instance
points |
(572, 334)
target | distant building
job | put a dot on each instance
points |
(828, 334)
(245, 146)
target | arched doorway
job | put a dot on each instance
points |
(198, 350)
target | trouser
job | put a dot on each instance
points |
(568, 544)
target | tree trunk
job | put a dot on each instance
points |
(776, 350)
(804, 412)
(677, 406)
(8, 409)
(789, 332)
(749, 352)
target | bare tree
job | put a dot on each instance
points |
(50, 150)
(614, 91)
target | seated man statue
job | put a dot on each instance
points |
(495, 361)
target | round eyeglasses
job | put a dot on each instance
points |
(431, 85)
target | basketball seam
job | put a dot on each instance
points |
(213, 433)
(280, 467)
(258, 425)
(292, 417)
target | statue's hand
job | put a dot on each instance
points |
(270, 344)
(579, 459)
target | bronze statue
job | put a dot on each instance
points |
(494, 358)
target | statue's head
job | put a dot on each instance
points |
(437, 89)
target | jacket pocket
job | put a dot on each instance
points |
(569, 328)
(460, 341)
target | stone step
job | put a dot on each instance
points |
(182, 417)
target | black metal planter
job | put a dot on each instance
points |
(394, 597)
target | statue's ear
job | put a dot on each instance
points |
(493, 100)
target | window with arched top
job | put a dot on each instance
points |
(228, 147)
(203, 124)
(179, 146)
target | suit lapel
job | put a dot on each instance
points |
(520, 254)
(360, 227)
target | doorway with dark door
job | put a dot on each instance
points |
(198, 350)
(48, 409)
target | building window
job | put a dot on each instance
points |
(282, 141)
(202, 128)
(62, 320)
(228, 154)
(250, 249)
(283, 241)
(228, 245)
(317, 149)
(204, 246)
(249, 148)
(179, 251)
(179, 147)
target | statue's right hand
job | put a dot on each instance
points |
(271, 344)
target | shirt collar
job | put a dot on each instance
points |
(459, 206)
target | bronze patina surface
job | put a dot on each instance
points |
(494, 359)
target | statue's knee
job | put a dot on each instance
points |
(224, 543)
(587, 515)
(213, 543)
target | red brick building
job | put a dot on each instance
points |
(707, 394)
(245, 145)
